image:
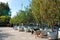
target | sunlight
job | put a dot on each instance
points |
(5, 1)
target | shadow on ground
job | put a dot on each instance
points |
(0, 30)
(4, 35)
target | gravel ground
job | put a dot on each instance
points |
(7, 33)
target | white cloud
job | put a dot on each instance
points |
(13, 14)
(4, 1)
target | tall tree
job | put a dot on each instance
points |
(4, 9)
(29, 16)
(4, 13)
(46, 11)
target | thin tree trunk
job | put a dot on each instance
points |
(57, 33)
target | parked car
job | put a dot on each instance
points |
(21, 28)
(45, 30)
(52, 35)
(15, 27)
(59, 33)
(27, 28)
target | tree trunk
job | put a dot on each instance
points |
(57, 33)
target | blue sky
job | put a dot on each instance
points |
(16, 5)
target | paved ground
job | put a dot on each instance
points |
(7, 33)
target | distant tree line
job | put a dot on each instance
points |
(44, 12)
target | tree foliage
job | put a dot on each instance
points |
(4, 20)
(4, 14)
(23, 17)
(46, 11)
(4, 9)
